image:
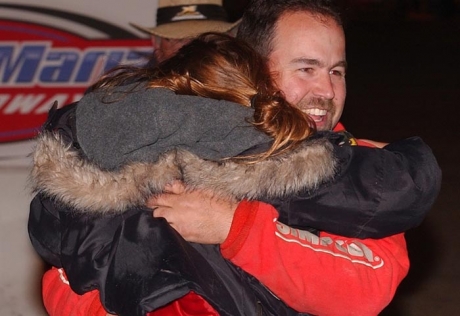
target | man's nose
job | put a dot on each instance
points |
(324, 87)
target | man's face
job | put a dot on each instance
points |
(165, 47)
(308, 64)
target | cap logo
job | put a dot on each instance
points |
(187, 13)
(191, 12)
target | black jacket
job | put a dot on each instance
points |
(105, 239)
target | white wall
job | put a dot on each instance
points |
(20, 268)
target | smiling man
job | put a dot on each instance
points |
(303, 42)
(308, 64)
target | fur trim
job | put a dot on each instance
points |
(60, 172)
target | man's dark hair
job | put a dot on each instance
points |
(259, 20)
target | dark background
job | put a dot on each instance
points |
(404, 80)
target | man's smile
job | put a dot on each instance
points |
(316, 114)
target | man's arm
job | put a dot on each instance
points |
(304, 270)
(60, 300)
(325, 275)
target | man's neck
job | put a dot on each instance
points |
(339, 127)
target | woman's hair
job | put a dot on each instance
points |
(218, 66)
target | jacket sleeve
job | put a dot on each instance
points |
(60, 300)
(376, 193)
(44, 229)
(325, 275)
(89, 249)
(138, 263)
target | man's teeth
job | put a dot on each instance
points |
(315, 112)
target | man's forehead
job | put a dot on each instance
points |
(305, 28)
(309, 38)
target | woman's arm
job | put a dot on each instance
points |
(376, 193)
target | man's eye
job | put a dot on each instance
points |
(309, 70)
(338, 73)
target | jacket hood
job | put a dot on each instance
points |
(136, 123)
(60, 171)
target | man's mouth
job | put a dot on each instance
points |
(316, 114)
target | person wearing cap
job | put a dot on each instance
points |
(134, 253)
(178, 21)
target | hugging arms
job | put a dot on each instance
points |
(99, 161)
(93, 246)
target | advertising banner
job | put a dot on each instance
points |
(51, 51)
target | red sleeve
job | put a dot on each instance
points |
(60, 300)
(326, 275)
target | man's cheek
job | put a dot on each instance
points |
(291, 94)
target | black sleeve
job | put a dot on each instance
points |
(128, 257)
(376, 193)
(44, 229)
(139, 263)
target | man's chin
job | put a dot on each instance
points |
(322, 122)
(322, 126)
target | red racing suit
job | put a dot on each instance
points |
(371, 269)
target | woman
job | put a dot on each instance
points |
(98, 162)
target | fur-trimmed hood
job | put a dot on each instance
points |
(110, 153)
(61, 172)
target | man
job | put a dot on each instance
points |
(177, 21)
(310, 70)
(306, 53)
(304, 44)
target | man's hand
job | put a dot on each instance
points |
(375, 143)
(198, 216)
